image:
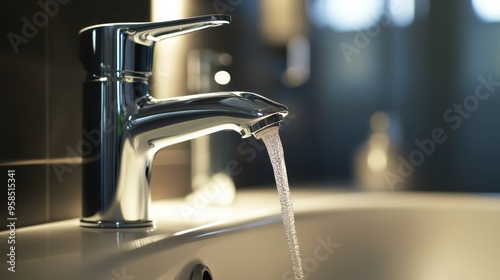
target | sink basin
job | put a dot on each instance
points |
(376, 236)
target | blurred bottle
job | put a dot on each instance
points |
(375, 159)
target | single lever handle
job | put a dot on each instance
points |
(124, 48)
(156, 31)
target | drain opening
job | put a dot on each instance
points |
(201, 272)
(207, 276)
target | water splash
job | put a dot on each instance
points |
(272, 140)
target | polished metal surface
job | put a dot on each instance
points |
(128, 126)
(128, 47)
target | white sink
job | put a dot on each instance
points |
(376, 236)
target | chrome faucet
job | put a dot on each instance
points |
(132, 125)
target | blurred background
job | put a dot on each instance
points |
(386, 95)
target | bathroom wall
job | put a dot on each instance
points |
(421, 74)
(41, 95)
(42, 77)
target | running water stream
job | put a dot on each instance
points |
(271, 139)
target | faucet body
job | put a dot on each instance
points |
(132, 125)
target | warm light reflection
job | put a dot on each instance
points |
(222, 77)
(219, 189)
(166, 10)
(487, 10)
(375, 157)
(377, 160)
(201, 227)
(169, 63)
(377, 153)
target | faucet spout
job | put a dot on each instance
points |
(150, 125)
(155, 124)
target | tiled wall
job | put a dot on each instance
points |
(40, 117)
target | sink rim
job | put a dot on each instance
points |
(265, 210)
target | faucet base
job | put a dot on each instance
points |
(111, 224)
